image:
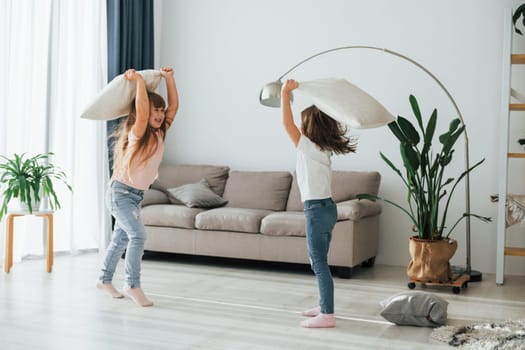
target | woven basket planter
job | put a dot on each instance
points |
(430, 259)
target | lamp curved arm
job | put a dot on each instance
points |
(394, 53)
(460, 116)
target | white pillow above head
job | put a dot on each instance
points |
(346, 103)
(114, 99)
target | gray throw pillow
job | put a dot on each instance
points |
(196, 195)
(415, 309)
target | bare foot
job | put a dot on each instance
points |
(138, 296)
(311, 312)
(109, 288)
(320, 321)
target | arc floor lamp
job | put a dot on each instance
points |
(270, 95)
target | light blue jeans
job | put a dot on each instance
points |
(321, 216)
(129, 234)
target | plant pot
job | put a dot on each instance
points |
(430, 259)
(24, 207)
(18, 205)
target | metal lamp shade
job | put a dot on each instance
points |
(270, 94)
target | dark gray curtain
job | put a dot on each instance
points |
(130, 45)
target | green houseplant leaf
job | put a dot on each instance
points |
(428, 192)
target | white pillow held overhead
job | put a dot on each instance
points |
(114, 99)
(346, 103)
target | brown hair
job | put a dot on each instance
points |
(140, 150)
(326, 132)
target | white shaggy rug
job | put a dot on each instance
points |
(508, 335)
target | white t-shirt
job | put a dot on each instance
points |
(314, 170)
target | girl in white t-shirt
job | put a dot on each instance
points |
(138, 152)
(320, 136)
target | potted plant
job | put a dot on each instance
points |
(521, 141)
(429, 192)
(29, 180)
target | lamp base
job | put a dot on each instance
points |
(475, 276)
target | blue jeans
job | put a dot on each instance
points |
(321, 216)
(129, 234)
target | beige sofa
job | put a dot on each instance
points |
(263, 218)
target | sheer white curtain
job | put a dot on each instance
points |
(53, 62)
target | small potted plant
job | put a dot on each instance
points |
(521, 142)
(30, 180)
(429, 193)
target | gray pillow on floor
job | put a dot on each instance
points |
(196, 195)
(415, 308)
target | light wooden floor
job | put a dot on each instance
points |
(222, 305)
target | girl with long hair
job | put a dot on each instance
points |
(137, 156)
(319, 137)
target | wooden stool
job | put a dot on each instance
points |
(9, 237)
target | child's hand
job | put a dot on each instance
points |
(131, 74)
(288, 86)
(166, 71)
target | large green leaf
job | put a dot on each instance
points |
(417, 112)
(454, 124)
(450, 139)
(410, 157)
(387, 161)
(372, 197)
(408, 130)
(429, 132)
(397, 131)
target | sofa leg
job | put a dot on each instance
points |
(344, 272)
(370, 262)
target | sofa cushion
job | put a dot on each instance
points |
(345, 186)
(197, 195)
(177, 175)
(258, 189)
(169, 215)
(231, 219)
(152, 196)
(290, 223)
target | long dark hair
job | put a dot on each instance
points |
(140, 149)
(326, 132)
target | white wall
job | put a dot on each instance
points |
(223, 52)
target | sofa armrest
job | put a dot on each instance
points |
(355, 209)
